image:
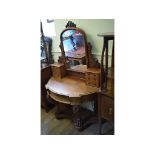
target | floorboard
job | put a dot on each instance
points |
(52, 126)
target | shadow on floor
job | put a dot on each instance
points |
(52, 126)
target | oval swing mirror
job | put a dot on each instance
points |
(73, 42)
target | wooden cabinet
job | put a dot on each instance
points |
(58, 70)
(45, 76)
(106, 107)
(106, 94)
(93, 77)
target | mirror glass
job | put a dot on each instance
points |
(74, 47)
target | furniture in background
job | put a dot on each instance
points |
(106, 94)
(74, 81)
(45, 71)
(45, 49)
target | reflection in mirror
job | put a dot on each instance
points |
(74, 47)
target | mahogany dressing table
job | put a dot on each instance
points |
(74, 81)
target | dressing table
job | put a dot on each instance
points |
(75, 77)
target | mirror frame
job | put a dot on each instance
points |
(62, 46)
(90, 60)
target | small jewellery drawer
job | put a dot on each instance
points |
(92, 79)
(58, 70)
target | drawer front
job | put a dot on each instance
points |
(107, 108)
(92, 83)
(92, 79)
(92, 75)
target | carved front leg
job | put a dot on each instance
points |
(77, 117)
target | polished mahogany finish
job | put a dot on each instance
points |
(70, 93)
(58, 70)
(70, 86)
(93, 77)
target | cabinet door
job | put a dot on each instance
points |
(107, 108)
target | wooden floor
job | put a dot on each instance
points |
(52, 126)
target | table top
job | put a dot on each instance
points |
(107, 34)
(70, 86)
